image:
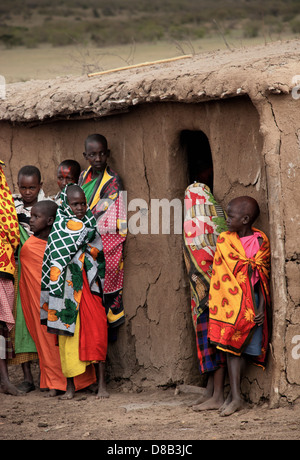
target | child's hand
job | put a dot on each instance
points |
(259, 319)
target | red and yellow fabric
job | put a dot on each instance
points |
(231, 295)
(9, 229)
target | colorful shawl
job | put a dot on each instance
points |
(73, 245)
(204, 220)
(231, 296)
(9, 230)
(24, 345)
(105, 198)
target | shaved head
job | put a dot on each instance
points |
(247, 206)
(47, 207)
(74, 189)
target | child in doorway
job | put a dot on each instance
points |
(204, 220)
(73, 274)
(239, 297)
(68, 172)
(32, 253)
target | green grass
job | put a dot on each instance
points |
(30, 23)
(42, 39)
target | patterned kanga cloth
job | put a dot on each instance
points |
(73, 245)
(9, 229)
(106, 200)
(231, 302)
(204, 220)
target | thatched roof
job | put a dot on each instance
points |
(208, 76)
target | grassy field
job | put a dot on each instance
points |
(47, 62)
(41, 40)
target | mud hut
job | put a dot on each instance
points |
(239, 108)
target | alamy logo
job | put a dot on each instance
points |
(296, 348)
(296, 88)
(2, 87)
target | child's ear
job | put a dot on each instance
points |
(84, 155)
(50, 221)
(246, 219)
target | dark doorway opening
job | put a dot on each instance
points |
(198, 153)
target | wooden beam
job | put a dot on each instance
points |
(143, 64)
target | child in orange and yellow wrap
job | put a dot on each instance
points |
(239, 294)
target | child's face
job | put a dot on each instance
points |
(77, 203)
(65, 176)
(235, 218)
(97, 155)
(38, 221)
(29, 188)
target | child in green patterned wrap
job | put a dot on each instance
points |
(72, 300)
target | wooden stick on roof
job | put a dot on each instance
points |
(143, 64)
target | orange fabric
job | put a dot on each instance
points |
(51, 377)
(231, 296)
(93, 325)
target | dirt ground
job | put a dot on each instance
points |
(158, 415)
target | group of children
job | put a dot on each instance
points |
(62, 305)
(68, 276)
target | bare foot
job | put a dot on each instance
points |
(210, 404)
(10, 389)
(51, 394)
(226, 402)
(234, 406)
(69, 394)
(201, 399)
(102, 393)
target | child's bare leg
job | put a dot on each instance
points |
(235, 365)
(69, 394)
(102, 392)
(209, 389)
(226, 402)
(217, 398)
(26, 367)
(6, 386)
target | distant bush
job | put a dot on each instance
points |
(251, 30)
(295, 24)
(110, 22)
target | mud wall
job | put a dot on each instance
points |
(156, 346)
(280, 125)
